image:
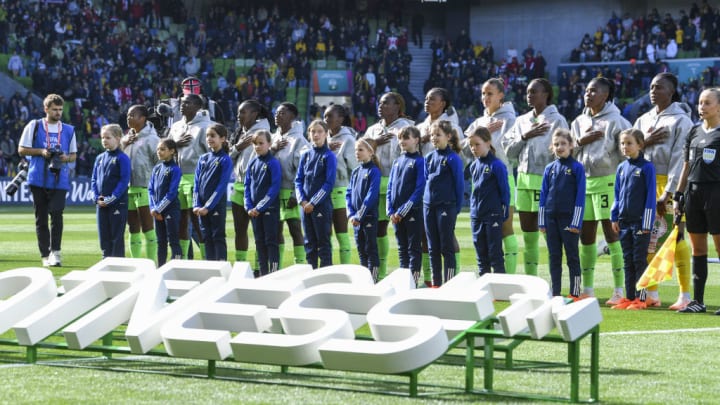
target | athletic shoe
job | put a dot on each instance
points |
(573, 298)
(602, 248)
(693, 307)
(615, 299)
(428, 284)
(55, 259)
(623, 303)
(637, 304)
(45, 262)
(653, 302)
(681, 303)
(717, 312)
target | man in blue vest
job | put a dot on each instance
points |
(51, 145)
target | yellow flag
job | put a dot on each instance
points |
(661, 266)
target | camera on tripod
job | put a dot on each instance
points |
(17, 181)
(55, 160)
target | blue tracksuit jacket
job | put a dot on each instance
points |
(635, 193)
(406, 184)
(315, 178)
(212, 175)
(262, 183)
(445, 183)
(363, 192)
(163, 187)
(563, 191)
(490, 196)
(111, 177)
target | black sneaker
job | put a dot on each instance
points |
(693, 307)
(717, 312)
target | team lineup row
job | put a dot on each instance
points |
(334, 178)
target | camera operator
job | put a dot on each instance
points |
(50, 144)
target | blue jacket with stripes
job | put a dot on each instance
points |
(635, 193)
(563, 191)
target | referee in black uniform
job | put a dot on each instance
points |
(700, 181)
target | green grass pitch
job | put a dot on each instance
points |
(650, 357)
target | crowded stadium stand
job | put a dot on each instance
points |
(103, 56)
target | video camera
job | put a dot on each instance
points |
(159, 117)
(18, 180)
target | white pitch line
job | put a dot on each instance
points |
(659, 332)
(15, 365)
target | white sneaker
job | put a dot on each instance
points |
(45, 262)
(55, 259)
(615, 299)
(602, 248)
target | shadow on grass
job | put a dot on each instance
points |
(299, 377)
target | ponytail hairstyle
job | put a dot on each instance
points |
(496, 82)
(445, 96)
(447, 128)
(222, 132)
(342, 112)
(254, 105)
(372, 145)
(113, 129)
(637, 134)
(609, 86)
(674, 81)
(171, 145)
(715, 91)
(142, 109)
(484, 134)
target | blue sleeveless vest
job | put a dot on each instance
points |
(39, 174)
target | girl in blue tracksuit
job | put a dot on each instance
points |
(489, 202)
(210, 192)
(314, 182)
(442, 199)
(361, 199)
(560, 216)
(110, 180)
(164, 202)
(633, 213)
(404, 200)
(262, 202)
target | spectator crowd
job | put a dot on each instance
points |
(120, 53)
